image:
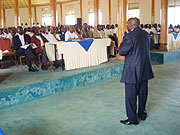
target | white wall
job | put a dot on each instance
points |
(144, 5)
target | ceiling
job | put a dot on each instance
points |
(24, 3)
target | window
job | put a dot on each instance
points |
(46, 19)
(70, 20)
(70, 17)
(133, 13)
(91, 17)
(133, 10)
(173, 15)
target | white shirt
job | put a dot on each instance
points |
(108, 32)
(68, 35)
(21, 37)
(148, 30)
(50, 37)
(29, 33)
(154, 30)
(4, 35)
(176, 30)
(116, 31)
(39, 37)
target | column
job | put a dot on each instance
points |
(96, 13)
(53, 12)
(16, 13)
(122, 7)
(61, 15)
(81, 11)
(153, 13)
(109, 11)
(30, 13)
(0, 16)
(163, 37)
(35, 16)
(4, 17)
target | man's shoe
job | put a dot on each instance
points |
(126, 122)
(31, 69)
(44, 68)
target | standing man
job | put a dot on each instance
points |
(137, 70)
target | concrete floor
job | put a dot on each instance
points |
(97, 109)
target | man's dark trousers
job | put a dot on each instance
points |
(132, 91)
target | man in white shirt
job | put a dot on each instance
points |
(52, 36)
(108, 31)
(71, 34)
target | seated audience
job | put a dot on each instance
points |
(72, 34)
(39, 40)
(108, 31)
(97, 33)
(62, 33)
(104, 35)
(52, 36)
(87, 33)
(171, 29)
(43, 31)
(20, 40)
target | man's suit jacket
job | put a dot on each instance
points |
(90, 33)
(136, 49)
(37, 42)
(16, 42)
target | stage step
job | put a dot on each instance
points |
(22, 94)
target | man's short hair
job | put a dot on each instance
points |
(134, 21)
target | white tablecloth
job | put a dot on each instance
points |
(173, 44)
(75, 55)
(0, 54)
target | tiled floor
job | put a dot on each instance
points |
(97, 109)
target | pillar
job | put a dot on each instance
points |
(81, 11)
(0, 16)
(61, 21)
(122, 7)
(53, 12)
(96, 13)
(30, 13)
(35, 16)
(4, 17)
(16, 13)
(109, 11)
(153, 13)
(163, 37)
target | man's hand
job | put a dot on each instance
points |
(119, 57)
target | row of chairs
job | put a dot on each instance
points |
(5, 47)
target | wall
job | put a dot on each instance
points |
(144, 5)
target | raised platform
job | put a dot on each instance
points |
(17, 87)
(20, 87)
(165, 57)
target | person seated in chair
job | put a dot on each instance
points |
(18, 42)
(72, 34)
(62, 33)
(86, 32)
(39, 40)
(53, 36)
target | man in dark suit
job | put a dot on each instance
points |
(20, 40)
(137, 70)
(39, 40)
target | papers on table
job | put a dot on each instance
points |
(26, 46)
